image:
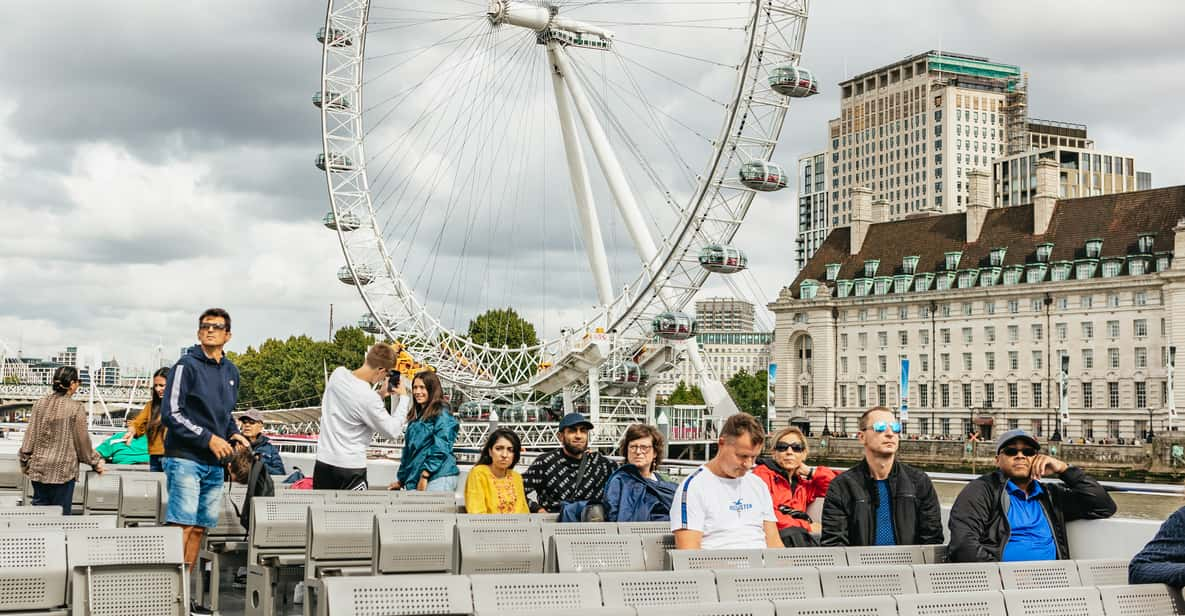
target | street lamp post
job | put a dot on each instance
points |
(826, 421)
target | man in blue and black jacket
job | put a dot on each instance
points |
(200, 395)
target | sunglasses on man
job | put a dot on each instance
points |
(881, 426)
(1011, 452)
(795, 447)
(219, 327)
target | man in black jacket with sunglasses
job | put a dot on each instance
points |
(1010, 515)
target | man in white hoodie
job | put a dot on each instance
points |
(352, 411)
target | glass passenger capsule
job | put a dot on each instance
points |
(330, 100)
(335, 36)
(723, 259)
(673, 326)
(335, 162)
(346, 222)
(369, 324)
(763, 175)
(362, 275)
(793, 81)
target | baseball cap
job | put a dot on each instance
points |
(1013, 435)
(572, 420)
(253, 415)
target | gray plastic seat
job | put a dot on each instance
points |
(657, 588)
(522, 593)
(1077, 601)
(1103, 571)
(228, 517)
(574, 553)
(472, 519)
(587, 611)
(414, 496)
(556, 529)
(143, 499)
(866, 581)
(101, 492)
(30, 511)
(768, 584)
(544, 517)
(984, 603)
(1140, 599)
(657, 539)
(361, 497)
(414, 543)
(64, 522)
(339, 535)
(402, 506)
(10, 499)
(500, 548)
(957, 577)
(805, 557)
(11, 477)
(33, 571)
(884, 605)
(886, 555)
(934, 554)
(397, 595)
(715, 559)
(727, 608)
(1039, 574)
(128, 571)
(643, 528)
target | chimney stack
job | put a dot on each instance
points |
(880, 211)
(1048, 190)
(979, 199)
(861, 217)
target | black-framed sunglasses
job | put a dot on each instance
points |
(1028, 452)
(218, 327)
(795, 447)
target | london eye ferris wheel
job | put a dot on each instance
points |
(588, 162)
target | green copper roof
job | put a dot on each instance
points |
(962, 66)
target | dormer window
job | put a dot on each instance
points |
(1012, 274)
(1094, 248)
(989, 276)
(996, 256)
(943, 281)
(1112, 266)
(1137, 265)
(870, 267)
(952, 260)
(1085, 268)
(1163, 260)
(863, 286)
(843, 288)
(901, 283)
(1060, 271)
(921, 282)
(1035, 272)
(967, 278)
(808, 289)
(1145, 242)
(832, 270)
(1043, 252)
(882, 284)
(909, 264)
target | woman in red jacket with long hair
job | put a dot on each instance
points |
(793, 485)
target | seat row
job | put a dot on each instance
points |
(136, 497)
(22, 518)
(706, 593)
(48, 571)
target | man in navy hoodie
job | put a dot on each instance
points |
(200, 395)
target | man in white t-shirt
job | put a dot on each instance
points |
(351, 412)
(722, 505)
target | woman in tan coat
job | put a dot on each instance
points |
(148, 422)
(56, 441)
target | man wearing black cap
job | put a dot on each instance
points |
(1009, 515)
(570, 474)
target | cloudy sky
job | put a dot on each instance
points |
(157, 157)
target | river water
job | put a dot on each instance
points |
(1140, 506)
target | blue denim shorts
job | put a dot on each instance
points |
(195, 492)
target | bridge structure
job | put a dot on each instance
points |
(19, 394)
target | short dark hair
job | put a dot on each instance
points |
(381, 356)
(862, 423)
(487, 449)
(641, 431)
(215, 312)
(63, 378)
(239, 464)
(743, 423)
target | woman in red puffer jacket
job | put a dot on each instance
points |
(793, 485)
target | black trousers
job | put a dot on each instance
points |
(330, 477)
(61, 494)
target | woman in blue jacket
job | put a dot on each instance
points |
(428, 463)
(635, 492)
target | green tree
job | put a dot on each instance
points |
(291, 373)
(685, 395)
(504, 327)
(11, 379)
(748, 392)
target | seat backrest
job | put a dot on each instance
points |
(805, 557)
(726, 608)
(715, 559)
(554, 529)
(540, 518)
(983, 603)
(500, 548)
(11, 477)
(402, 506)
(104, 563)
(64, 522)
(575, 553)
(655, 550)
(587, 611)
(768, 584)
(522, 593)
(414, 543)
(32, 570)
(957, 577)
(25, 512)
(1140, 599)
(397, 595)
(296, 496)
(935, 554)
(160, 545)
(886, 555)
(1039, 574)
(278, 524)
(1077, 601)
(143, 496)
(1125, 537)
(473, 519)
(341, 531)
(642, 528)
(867, 581)
(849, 606)
(414, 496)
(101, 492)
(361, 497)
(652, 588)
(1103, 571)
(10, 499)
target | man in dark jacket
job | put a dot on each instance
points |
(251, 425)
(881, 501)
(200, 395)
(570, 474)
(1009, 515)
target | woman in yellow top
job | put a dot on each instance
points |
(493, 485)
(148, 422)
